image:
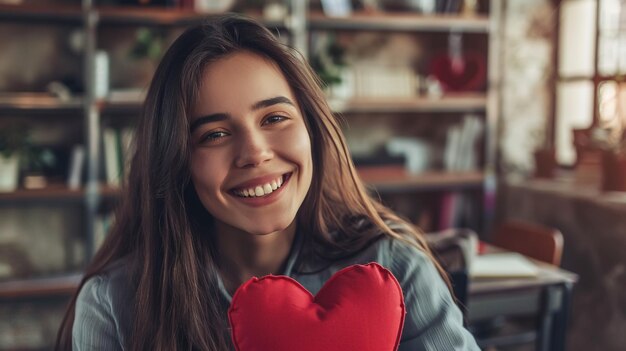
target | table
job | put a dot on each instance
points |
(547, 296)
(593, 224)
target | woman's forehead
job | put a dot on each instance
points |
(239, 80)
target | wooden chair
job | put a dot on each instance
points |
(536, 241)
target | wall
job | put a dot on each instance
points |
(526, 68)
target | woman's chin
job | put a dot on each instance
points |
(267, 228)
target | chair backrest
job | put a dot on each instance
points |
(536, 241)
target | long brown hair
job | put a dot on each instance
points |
(161, 226)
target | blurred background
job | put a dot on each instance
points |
(458, 114)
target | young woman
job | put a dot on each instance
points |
(241, 170)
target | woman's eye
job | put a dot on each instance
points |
(274, 119)
(214, 136)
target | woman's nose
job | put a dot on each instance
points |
(254, 149)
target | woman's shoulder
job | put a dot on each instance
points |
(113, 279)
(401, 256)
(104, 305)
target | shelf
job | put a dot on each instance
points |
(400, 22)
(62, 14)
(51, 193)
(40, 287)
(386, 180)
(447, 103)
(54, 193)
(21, 103)
(162, 16)
(125, 107)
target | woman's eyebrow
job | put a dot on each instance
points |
(216, 117)
(272, 101)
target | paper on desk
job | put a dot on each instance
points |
(502, 265)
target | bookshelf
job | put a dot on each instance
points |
(26, 103)
(400, 22)
(90, 18)
(45, 287)
(433, 113)
(447, 103)
(402, 182)
(42, 14)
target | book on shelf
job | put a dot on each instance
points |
(102, 226)
(460, 155)
(118, 144)
(77, 165)
(461, 151)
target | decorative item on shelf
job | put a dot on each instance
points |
(384, 81)
(614, 170)
(328, 60)
(337, 8)
(14, 144)
(614, 165)
(146, 52)
(469, 7)
(274, 10)
(601, 157)
(416, 152)
(39, 164)
(457, 70)
(419, 6)
(213, 5)
(545, 163)
(101, 65)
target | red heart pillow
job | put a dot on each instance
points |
(360, 308)
(471, 76)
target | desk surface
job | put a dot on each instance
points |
(488, 298)
(547, 275)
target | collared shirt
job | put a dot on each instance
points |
(103, 319)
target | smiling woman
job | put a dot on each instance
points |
(241, 170)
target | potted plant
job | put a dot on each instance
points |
(14, 144)
(614, 166)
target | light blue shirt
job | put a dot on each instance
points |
(433, 321)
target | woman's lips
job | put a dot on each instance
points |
(261, 188)
(265, 198)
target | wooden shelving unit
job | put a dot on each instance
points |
(155, 16)
(400, 22)
(446, 103)
(29, 103)
(394, 181)
(54, 194)
(51, 193)
(58, 14)
(64, 285)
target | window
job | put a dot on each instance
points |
(590, 87)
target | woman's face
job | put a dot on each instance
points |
(251, 161)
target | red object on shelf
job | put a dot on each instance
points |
(467, 73)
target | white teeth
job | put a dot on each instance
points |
(258, 191)
(261, 190)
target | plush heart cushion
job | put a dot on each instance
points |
(471, 75)
(360, 308)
